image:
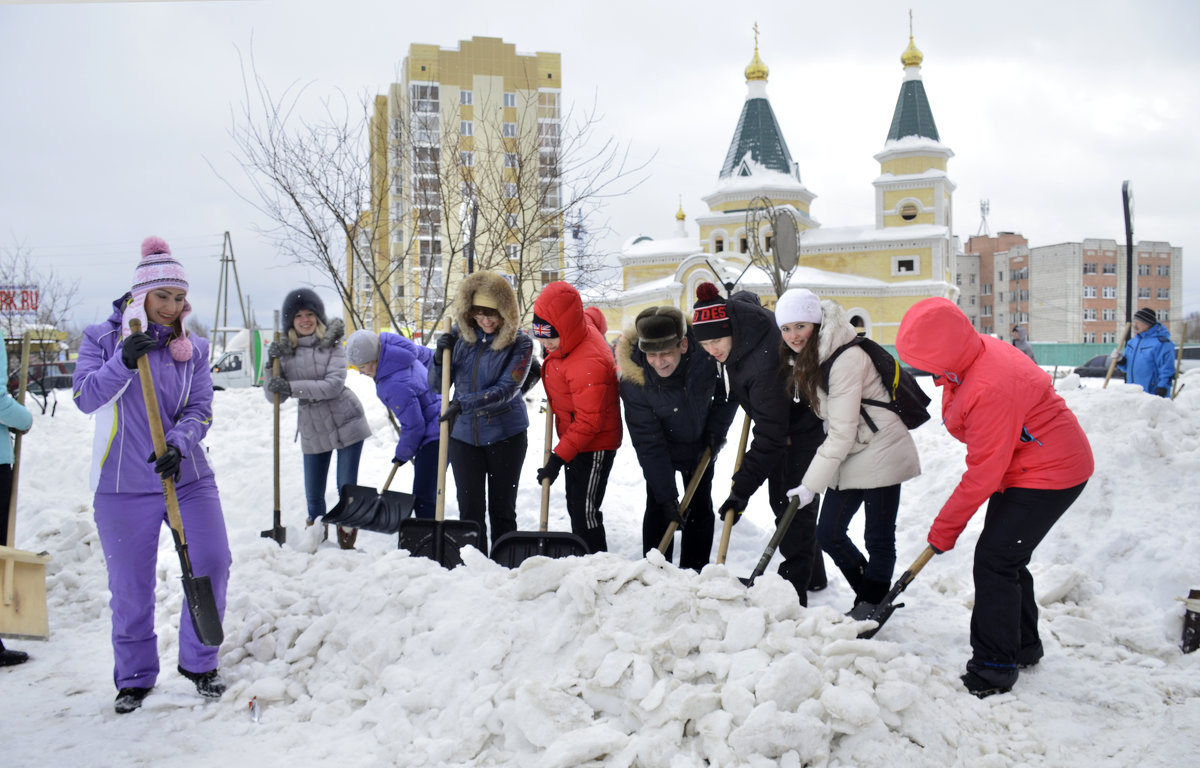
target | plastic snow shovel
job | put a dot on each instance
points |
(441, 539)
(727, 528)
(881, 612)
(276, 531)
(688, 493)
(514, 548)
(198, 591)
(360, 507)
(785, 522)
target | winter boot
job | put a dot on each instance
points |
(1030, 655)
(867, 598)
(129, 699)
(985, 678)
(208, 684)
(12, 658)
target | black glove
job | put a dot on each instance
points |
(936, 551)
(444, 342)
(399, 463)
(168, 465)
(735, 504)
(1161, 392)
(550, 471)
(670, 513)
(452, 411)
(279, 386)
(134, 347)
(715, 443)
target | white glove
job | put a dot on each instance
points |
(806, 496)
(1116, 354)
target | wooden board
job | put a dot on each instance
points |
(23, 594)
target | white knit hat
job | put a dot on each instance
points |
(158, 269)
(798, 305)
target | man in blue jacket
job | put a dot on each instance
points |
(1149, 359)
(675, 407)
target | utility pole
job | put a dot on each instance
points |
(221, 323)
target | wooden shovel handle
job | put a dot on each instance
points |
(275, 371)
(688, 493)
(1113, 362)
(444, 437)
(544, 522)
(727, 528)
(11, 533)
(156, 434)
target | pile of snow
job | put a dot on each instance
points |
(373, 657)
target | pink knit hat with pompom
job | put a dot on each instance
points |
(158, 269)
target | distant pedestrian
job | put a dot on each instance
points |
(490, 362)
(127, 474)
(14, 417)
(1149, 357)
(401, 372)
(1020, 340)
(329, 416)
(675, 407)
(580, 379)
(1027, 458)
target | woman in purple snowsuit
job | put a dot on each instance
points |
(126, 475)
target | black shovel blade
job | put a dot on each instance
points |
(880, 614)
(202, 606)
(364, 508)
(277, 531)
(439, 540)
(512, 549)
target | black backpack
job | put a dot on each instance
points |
(908, 401)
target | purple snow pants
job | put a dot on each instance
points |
(129, 526)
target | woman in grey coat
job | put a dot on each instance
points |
(330, 417)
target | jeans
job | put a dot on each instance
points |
(425, 480)
(316, 473)
(879, 530)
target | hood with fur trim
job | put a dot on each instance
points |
(498, 287)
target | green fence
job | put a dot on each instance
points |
(1051, 353)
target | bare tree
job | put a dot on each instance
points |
(393, 203)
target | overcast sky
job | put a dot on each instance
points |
(115, 114)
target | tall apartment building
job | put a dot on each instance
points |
(465, 174)
(1072, 292)
(981, 272)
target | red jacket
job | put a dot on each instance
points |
(579, 377)
(1018, 431)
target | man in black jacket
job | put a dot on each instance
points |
(742, 336)
(675, 407)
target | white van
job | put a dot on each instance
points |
(243, 363)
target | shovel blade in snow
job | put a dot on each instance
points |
(439, 540)
(512, 549)
(363, 507)
(878, 614)
(202, 607)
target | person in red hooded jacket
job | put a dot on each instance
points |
(1027, 457)
(580, 380)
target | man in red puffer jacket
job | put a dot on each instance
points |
(580, 379)
(1027, 457)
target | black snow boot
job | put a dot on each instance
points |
(129, 699)
(855, 574)
(9, 658)
(985, 678)
(208, 684)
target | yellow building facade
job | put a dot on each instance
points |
(875, 271)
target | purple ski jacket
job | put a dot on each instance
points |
(104, 388)
(402, 383)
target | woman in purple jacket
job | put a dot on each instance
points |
(127, 476)
(401, 372)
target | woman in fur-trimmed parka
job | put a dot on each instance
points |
(490, 360)
(329, 416)
(855, 465)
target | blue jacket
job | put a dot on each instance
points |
(487, 383)
(12, 413)
(402, 383)
(112, 394)
(1150, 359)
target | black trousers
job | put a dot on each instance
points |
(697, 537)
(799, 544)
(1004, 621)
(496, 469)
(5, 497)
(586, 481)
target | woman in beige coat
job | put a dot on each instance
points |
(862, 460)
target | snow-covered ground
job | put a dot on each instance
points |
(372, 657)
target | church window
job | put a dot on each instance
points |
(743, 245)
(906, 265)
(718, 245)
(909, 211)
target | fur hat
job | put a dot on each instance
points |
(362, 347)
(660, 329)
(798, 305)
(298, 299)
(1146, 315)
(158, 269)
(709, 318)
